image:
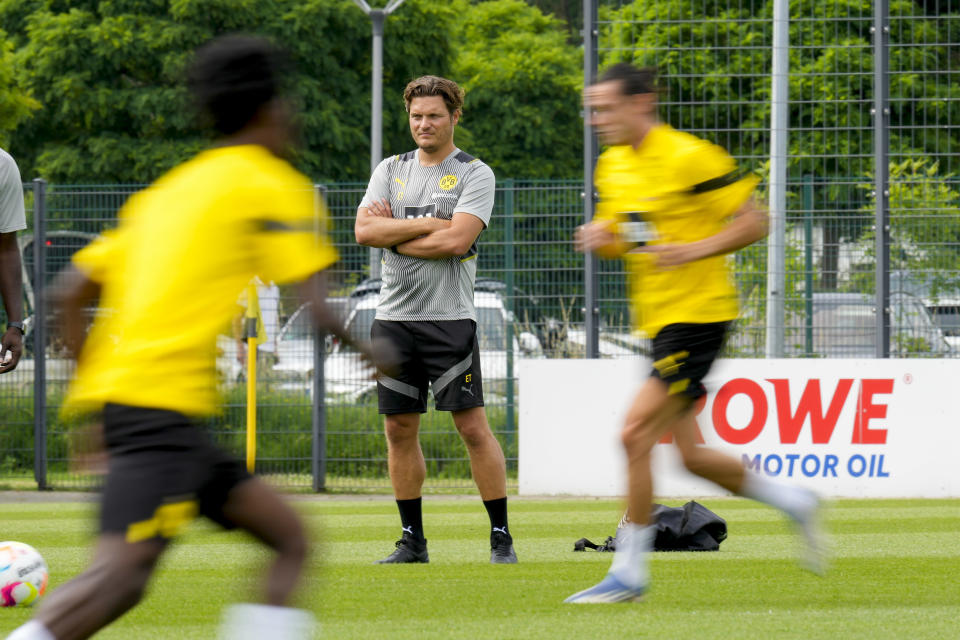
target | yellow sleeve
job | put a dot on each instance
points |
(711, 177)
(290, 236)
(100, 256)
(607, 209)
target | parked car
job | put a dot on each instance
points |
(345, 374)
(844, 326)
(946, 313)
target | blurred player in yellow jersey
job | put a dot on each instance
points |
(673, 206)
(170, 275)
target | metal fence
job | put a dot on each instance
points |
(529, 302)
(864, 101)
(872, 98)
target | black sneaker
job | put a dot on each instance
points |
(409, 549)
(501, 548)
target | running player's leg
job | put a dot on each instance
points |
(654, 411)
(147, 500)
(801, 505)
(112, 585)
(708, 463)
(254, 507)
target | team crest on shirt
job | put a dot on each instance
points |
(448, 182)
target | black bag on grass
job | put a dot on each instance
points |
(691, 527)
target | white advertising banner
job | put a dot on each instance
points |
(845, 428)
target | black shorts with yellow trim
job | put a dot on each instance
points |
(163, 472)
(683, 354)
(443, 354)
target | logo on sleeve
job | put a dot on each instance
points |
(448, 182)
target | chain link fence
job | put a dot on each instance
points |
(715, 58)
(716, 64)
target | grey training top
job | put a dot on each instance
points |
(12, 216)
(430, 289)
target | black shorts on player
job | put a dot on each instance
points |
(683, 354)
(443, 353)
(163, 472)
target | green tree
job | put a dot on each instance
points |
(716, 59)
(108, 75)
(16, 104)
(522, 110)
(924, 230)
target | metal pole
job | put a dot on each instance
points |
(377, 18)
(508, 206)
(881, 169)
(591, 309)
(776, 243)
(808, 260)
(39, 333)
(318, 408)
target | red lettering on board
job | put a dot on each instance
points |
(821, 425)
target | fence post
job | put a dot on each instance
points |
(808, 261)
(508, 210)
(591, 310)
(881, 170)
(779, 126)
(39, 333)
(318, 410)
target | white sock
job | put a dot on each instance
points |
(33, 630)
(794, 501)
(630, 560)
(259, 621)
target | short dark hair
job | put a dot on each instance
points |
(424, 86)
(232, 77)
(633, 80)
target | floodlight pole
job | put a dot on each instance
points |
(377, 18)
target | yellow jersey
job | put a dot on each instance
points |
(170, 274)
(674, 188)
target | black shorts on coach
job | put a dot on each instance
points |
(163, 471)
(443, 354)
(683, 354)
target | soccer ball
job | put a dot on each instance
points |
(23, 574)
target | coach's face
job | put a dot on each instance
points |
(618, 118)
(430, 123)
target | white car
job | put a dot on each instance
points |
(946, 312)
(348, 379)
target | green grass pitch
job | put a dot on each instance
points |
(895, 574)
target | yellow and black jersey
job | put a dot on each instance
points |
(172, 271)
(674, 189)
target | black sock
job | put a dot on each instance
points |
(497, 510)
(411, 517)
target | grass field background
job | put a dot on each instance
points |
(895, 574)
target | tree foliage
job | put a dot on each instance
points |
(16, 104)
(522, 110)
(109, 77)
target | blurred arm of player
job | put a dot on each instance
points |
(380, 354)
(749, 224)
(376, 227)
(73, 291)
